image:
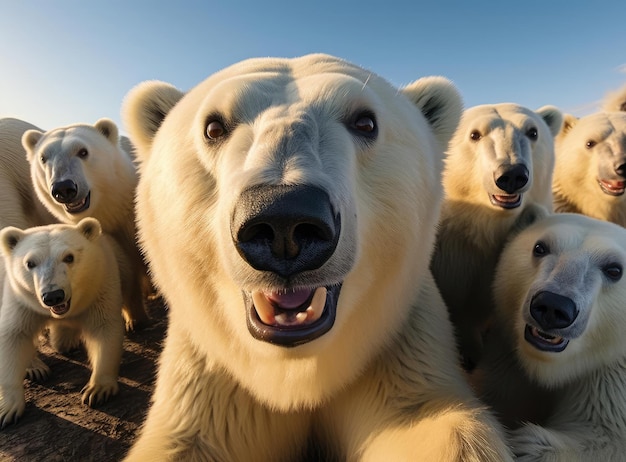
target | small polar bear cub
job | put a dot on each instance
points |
(66, 275)
(561, 305)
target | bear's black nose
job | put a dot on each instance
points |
(511, 178)
(621, 170)
(285, 229)
(54, 297)
(64, 191)
(553, 311)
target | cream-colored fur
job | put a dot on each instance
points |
(381, 382)
(77, 163)
(615, 100)
(562, 390)
(19, 205)
(491, 139)
(590, 170)
(65, 275)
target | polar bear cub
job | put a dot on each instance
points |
(81, 171)
(590, 170)
(498, 169)
(559, 347)
(65, 275)
(288, 210)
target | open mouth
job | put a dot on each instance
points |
(291, 317)
(61, 309)
(506, 201)
(612, 187)
(544, 341)
(79, 206)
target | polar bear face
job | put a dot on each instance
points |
(303, 196)
(502, 156)
(591, 160)
(54, 269)
(79, 171)
(560, 292)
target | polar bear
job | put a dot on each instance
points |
(287, 208)
(615, 100)
(590, 169)
(81, 170)
(557, 355)
(66, 275)
(19, 205)
(498, 166)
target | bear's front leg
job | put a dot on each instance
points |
(104, 346)
(18, 328)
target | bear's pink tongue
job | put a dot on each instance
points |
(289, 300)
(290, 309)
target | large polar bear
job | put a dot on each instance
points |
(288, 208)
(590, 170)
(557, 355)
(81, 171)
(498, 170)
(66, 275)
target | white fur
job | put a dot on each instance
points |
(384, 379)
(615, 100)
(572, 401)
(472, 230)
(579, 165)
(91, 156)
(79, 261)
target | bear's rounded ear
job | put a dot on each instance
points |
(615, 101)
(9, 238)
(108, 129)
(144, 109)
(569, 122)
(90, 228)
(30, 138)
(441, 103)
(553, 117)
(531, 214)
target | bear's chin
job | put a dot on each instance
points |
(291, 332)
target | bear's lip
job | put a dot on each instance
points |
(612, 187)
(60, 309)
(291, 317)
(79, 206)
(544, 341)
(506, 201)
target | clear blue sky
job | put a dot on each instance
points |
(65, 61)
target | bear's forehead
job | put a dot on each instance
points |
(601, 125)
(491, 116)
(579, 234)
(65, 139)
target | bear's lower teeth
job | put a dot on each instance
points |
(546, 337)
(274, 316)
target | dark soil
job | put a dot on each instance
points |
(56, 426)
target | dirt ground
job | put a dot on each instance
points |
(56, 426)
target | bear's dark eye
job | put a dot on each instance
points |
(532, 133)
(364, 125)
(475, 135)
(590, 144)
(69, 258)
(30, 264)
(82, 154)
(42, 159)
(613, 271)
(540, 249)
(215, 129)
